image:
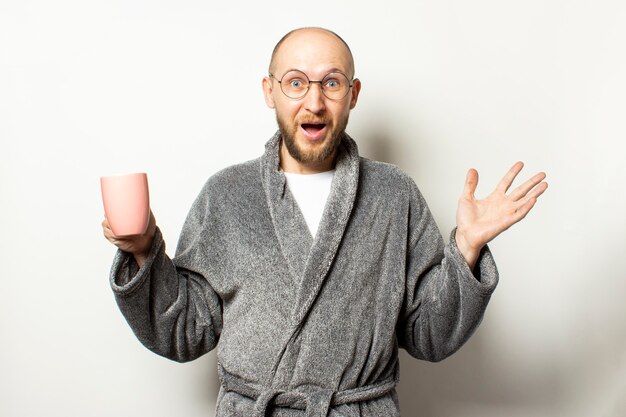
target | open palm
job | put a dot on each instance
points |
(479, 221)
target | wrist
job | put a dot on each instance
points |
(143, 250)
(140, 259)
(469, 251)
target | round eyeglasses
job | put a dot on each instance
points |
(295, 84)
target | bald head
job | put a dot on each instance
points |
(306, 36)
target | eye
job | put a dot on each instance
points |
(296, 83)
(332, 83)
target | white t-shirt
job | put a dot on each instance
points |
(311, 192)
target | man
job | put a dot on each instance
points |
(310, 300)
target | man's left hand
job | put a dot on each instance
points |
(480, 221)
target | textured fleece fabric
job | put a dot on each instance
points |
(306, 327)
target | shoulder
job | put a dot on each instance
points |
(239, 182)
(384, 176)
(381, 180)
(234, 177)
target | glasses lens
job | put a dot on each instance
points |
(335, 86)
(294, 84)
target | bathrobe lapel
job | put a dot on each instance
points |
(310, 259)
(291, 230)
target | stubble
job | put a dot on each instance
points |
(318, 154)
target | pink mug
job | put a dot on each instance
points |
(126, 203)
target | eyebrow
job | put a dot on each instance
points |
(331, 70)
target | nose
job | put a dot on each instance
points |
(314, 98)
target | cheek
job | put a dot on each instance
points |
(342, 111)
(287, 111)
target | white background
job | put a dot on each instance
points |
(173, 88)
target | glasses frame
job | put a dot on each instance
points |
(280, 82)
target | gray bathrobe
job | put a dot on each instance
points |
(306, 326)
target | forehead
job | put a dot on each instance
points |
(315, 52)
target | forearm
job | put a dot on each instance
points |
(166, 307)
(450, 304)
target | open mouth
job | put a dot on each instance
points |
(313, 128)
(313, 131)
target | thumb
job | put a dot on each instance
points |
(471, 182)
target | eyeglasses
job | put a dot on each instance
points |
(295, 84)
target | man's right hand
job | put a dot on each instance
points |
(138, 245)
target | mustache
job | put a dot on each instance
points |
(314, 122)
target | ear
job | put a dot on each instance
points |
(356, 89)
(267, 92)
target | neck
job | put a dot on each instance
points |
(289, 164)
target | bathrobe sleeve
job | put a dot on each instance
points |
(444, 301)
(169, 304)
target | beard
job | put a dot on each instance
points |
(322, 151)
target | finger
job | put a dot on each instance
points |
(508, 179)
(523, 189)
(524, 209)
(108, 233)
(534, 193)
(471, 182)
(538, 190)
